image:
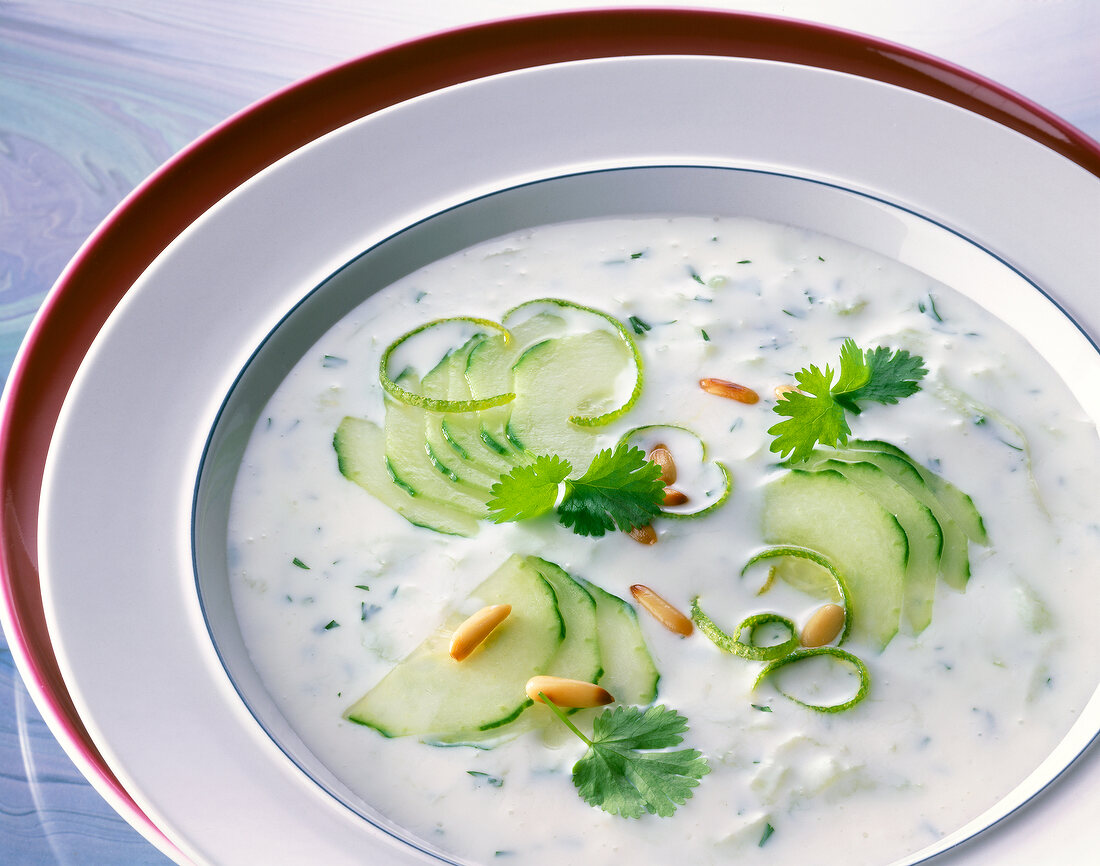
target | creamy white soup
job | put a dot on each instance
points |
(333, 588)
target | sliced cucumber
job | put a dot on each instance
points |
(560, 379)
(454, 434)
(958, 504)
(430, 693)
(706, 484)
(922, 532)
(436, 337)
(593, 320)
(360, 452)
(955, 555)
(579, 657)
(629, 672)
(421, 469)
(826, 512)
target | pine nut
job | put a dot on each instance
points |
(473, 632)
(567, 693)
(661, 610)
(729, 390)
(674, 497)
(644, 534)
(823, 625)
(663, 458)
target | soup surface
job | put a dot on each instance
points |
(333, 589)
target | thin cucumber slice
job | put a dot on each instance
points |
(922, 531)
(430, 693)
(955, 554)
(826, 512)
(630, 674)
(559, 380)
(707, 484)
(452, 332)
(454, 434)
(360, 452)
(842, 657)
(579, 656)
(958, 504)
(421, 469)
(601, 320)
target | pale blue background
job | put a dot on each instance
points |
(95, 95)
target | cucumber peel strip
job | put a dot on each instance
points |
(816, 558)
(843, 655)
(621, 332)
(733, 644)
(436, 404)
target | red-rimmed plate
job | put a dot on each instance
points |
(146, 224)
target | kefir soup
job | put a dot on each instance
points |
(791, 545)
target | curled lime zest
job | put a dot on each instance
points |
(437, 404)
(816, 558)
(745, 648)
(843, 656)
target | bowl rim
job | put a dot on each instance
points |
(164, 205)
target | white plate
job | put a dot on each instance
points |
(116, 545)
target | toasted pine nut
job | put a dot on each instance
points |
(823, 625)
(781, 391)
(674, 497)
(567, 693)
(663, 458)
(729, 390)
(472, 633)
(644, 534)
(661, 610)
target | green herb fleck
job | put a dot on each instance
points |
(637, 255)
(745, 262)
(766, 835)
(363, 587)
(495, 781)
(331, 625)
(762, 707)
(930, 308)
(640, 326)
(333, 361)
(706, 336)
(296, 561)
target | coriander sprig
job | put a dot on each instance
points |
(621, 489)
(615, 773)
(815, 413)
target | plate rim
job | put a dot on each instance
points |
(143, 224)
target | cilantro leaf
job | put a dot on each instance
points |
(815, 413)
(621, 489)
(622, 780)
(528, 491)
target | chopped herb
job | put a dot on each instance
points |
(367, 611)
(745, 262)
(363, 587)
(767, 834)
(815, 413)
(639, 326)
(419, 297)
(331, 625)
(764, 708)
(696, 277)
(333, 361)
(930, 308)
(296, 561)
(623, 772)
(495, 781)
(637, 255)
(820, 259)
(706, 336)
(704, 300)
(620, 490)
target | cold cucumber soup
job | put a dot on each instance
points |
(866, 461)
